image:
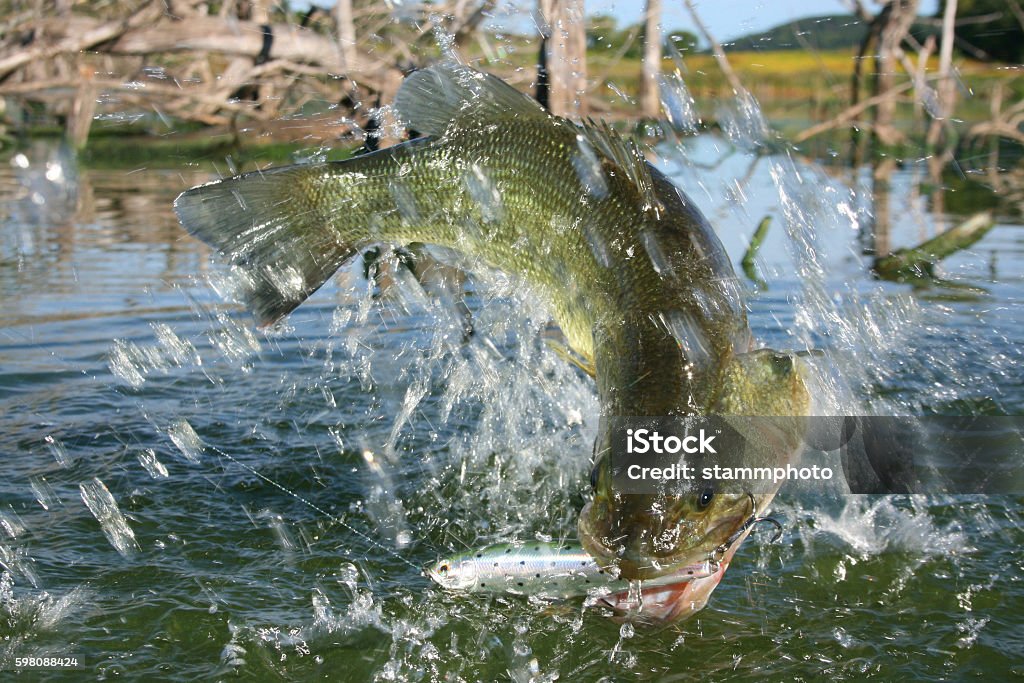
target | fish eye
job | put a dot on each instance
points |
(443, 569)
(705, 497)
(782, 364)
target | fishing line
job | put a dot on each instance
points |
(317, 508)
(208, 315)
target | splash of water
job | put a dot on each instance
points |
(474, 441)
(104, 508)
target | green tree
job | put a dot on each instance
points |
(684, 41)
(602, 34)
(631, 39)
(1001, 35)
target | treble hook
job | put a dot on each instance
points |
(720, 551)
(770, 520)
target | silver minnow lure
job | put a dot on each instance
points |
(547, 570)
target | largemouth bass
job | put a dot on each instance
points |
(634, 275)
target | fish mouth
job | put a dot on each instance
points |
(717, 540)
(663, 604)
(668, 602)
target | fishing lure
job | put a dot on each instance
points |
(547, 570)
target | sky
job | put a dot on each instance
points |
(728, 19)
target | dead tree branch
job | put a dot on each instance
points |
(850, 113)
(716, 49)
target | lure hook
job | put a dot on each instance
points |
(772, 521)
(720, 551)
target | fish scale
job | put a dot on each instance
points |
(288, 229)
(631, 271)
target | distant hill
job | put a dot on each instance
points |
(828, 32)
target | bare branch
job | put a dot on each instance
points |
(857, 8)
(465, 28)
(1017, 11)
(716, 49)
(76, 41)
(850, 113)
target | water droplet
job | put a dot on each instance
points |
(104, 508)
(186, 439)
(678, 104)
(155, 468)
(58, 451)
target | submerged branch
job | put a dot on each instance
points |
(919, 262)
(749, 267)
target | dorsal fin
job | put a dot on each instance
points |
(626, 156)
(430, 99)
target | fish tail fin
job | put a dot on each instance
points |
(278, 241)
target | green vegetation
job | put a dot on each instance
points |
(984, 27)
(826, 32)
(1000, 35)
(604, 37)
(829, 32)
(793, 87)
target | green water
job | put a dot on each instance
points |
(283, 488)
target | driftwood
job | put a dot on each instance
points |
(239, 38)
(918, 263)
(73, 41)
(886, 32)
(1006, 123)
(941, 128)
(851, 113)
(896, 20)
(178, 61)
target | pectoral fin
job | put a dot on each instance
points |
(558, 345)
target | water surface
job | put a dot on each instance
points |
(185, 496)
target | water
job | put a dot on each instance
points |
(184, 496)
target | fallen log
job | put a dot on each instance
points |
(204, 34)
(238, 38)
(919, 262)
